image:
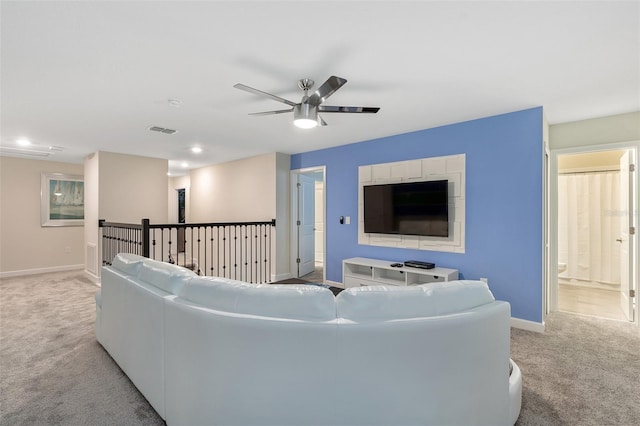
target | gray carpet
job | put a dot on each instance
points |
(52, 370)
(583, 371)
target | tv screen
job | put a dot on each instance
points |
(414, 208)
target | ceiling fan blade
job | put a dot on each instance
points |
(260, 92)
(326, 108)
(280, 111)
(321, 121)
(327, 89)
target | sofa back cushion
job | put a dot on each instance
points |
(128, 263)
(165, 276)
(381, 303)
(300, 302)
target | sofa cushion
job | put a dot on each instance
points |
(128, 263)
(165, 276)
(426, 300)
(300, 302)
(213, 292)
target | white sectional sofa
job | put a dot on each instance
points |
(213, 351)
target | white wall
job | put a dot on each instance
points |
(26, 246)
(132, 188)
(596, 131)
(92, 242)
(242, 190)
(283, 209)
(122, 188)
(251, 189)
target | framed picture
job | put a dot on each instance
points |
(62, 200)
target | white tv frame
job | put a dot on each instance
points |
(451, 168)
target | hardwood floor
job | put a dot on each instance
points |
(590, 301)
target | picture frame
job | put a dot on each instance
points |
(61, 199)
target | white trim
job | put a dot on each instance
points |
(24, 272)
(546, 184)
(537, 327)
(552, 197)
(293, 245)
(595, 148)
(92, 277)
(280, 277)
(451, 168)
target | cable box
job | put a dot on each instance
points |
(419, 264)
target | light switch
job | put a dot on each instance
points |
(347, 220)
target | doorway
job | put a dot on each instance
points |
(594, 244)
(181, 240)
(308, 224)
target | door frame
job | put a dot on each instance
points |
(294, 214)
(552, 196)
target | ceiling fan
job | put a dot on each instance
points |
(305, 112)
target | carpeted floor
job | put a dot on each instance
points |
(52, 369)
(582, 371)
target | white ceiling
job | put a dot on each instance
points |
(94, 76)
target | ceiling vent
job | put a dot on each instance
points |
(27, 153)
(162, 130)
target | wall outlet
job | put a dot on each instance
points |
(347, 220)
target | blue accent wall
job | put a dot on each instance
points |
(504, 199)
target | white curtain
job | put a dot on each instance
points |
(588, 226)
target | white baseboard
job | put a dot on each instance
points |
(280, 277)
(36, 271)
(92, 277)
(538, 327)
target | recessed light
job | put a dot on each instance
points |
(23, 142)
(176, 103)
(196, 150)
(185, 165)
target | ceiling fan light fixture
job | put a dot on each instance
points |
(305, 116)
(305, 123)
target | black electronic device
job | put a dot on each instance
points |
(419, 264)
(397, 265)
(410, 208)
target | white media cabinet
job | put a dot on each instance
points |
(360, 271)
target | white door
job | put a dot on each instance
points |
(306, 224)
(625, 240)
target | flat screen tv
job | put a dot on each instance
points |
(413, 208)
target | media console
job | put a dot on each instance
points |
(359, 271)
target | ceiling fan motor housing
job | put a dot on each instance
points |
(305, 115)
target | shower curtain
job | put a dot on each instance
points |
(588, 225)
